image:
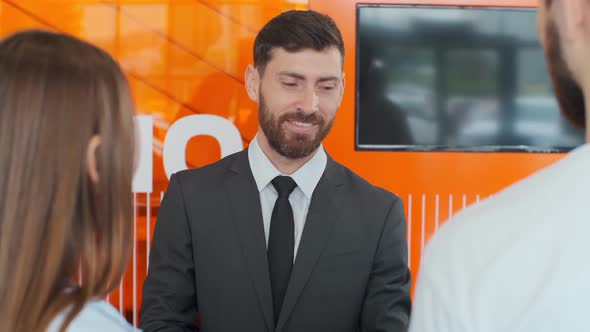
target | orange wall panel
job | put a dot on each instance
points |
(186, 57)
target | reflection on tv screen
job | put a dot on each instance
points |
(458, 79)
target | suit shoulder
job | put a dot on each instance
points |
(368, 190)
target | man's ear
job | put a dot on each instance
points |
(91, 163)
(542, 19)
(574, 17)
(342, 89)
(252, 79)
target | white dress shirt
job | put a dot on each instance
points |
(306, 177)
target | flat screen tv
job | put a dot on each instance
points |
(455, 79)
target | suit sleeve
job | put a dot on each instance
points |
(169, 294)
(387, 304)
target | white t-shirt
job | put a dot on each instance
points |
(519, 261)
(96, 316)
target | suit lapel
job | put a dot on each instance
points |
(320, 220)
(247, 216)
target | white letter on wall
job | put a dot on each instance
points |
(223, 130)
(143, 177)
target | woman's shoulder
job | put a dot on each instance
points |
(95, 316)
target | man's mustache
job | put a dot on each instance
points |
(312, 118)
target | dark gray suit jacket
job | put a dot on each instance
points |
(209, 254)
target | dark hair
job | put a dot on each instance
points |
(296, 30)
(56, 93)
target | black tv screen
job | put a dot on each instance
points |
(455, 79)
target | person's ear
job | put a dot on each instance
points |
(91, 160)
(574, 19)
(342, 89)
(252, 79)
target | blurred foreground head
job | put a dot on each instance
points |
(564, 30)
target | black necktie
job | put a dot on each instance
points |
(281, 241)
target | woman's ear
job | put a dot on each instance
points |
(91, 163)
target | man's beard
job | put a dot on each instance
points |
(568, 92)
(290, 144)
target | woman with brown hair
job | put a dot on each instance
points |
(66, 166)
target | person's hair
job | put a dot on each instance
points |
(294, 31)
(56, 93)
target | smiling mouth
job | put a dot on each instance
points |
(302, 124)
(299, 126)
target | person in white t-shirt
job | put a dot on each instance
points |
(519, 261)
(66, 165)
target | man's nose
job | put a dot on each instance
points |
(309, 101)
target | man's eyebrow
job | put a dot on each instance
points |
(329, 78)
(303, 78)
(292, 74)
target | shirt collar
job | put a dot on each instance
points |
(306, 177)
